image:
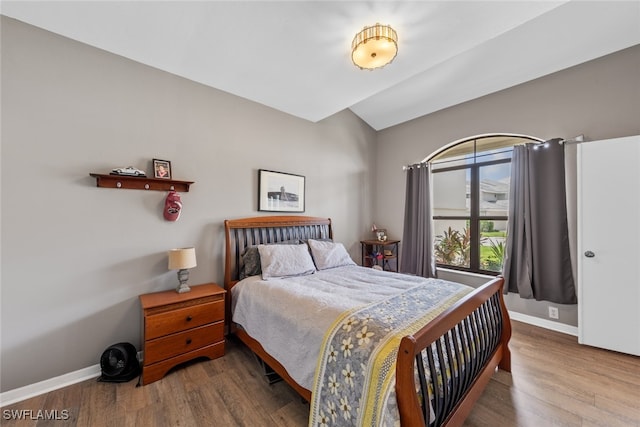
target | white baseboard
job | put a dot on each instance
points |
(32, 390)
(544, 323)
(12, 396)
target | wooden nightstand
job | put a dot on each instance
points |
(181, 327)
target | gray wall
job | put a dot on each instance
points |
(75, 257)
(600, 99)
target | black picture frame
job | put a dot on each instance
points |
(161, 169)
(280, 191)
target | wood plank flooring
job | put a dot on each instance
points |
(554, 382)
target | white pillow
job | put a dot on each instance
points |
(329, 254)
(279, 261)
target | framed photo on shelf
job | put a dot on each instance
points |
(161, 169)
(381, 234)
(280, 192)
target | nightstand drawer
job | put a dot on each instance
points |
(183, 342)
(161, 324)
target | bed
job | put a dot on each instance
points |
(438, 363)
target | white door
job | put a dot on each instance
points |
(609, 244)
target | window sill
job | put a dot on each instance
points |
(466, 273)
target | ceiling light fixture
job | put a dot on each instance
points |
(374, 46)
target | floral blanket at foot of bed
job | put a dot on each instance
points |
(355, 377)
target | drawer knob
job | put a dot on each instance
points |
(188, 341)
(189, 318)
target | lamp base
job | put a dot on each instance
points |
(183, 277)
(183, 288)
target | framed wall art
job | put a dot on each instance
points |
(161, 169)
(280, 192)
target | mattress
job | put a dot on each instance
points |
(290, 316)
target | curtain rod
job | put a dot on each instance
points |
(575, 140)
(415, 165)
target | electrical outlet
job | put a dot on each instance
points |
(553, 312)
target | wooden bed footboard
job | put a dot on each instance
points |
(481, 320)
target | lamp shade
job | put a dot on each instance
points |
(374, 46)
(182, 258)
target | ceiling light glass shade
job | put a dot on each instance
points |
(374, 47)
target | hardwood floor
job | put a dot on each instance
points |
(554, 382)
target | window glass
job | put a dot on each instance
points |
(497, 154)
(452, 243)
(458, 155)
(475, 151)
(471, 198)
(493, 235)
(494, 189)
(451, 193)
(497, 144)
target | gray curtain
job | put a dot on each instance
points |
(417, 238)
(538, 262)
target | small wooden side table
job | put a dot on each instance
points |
(382, 253)
(181, 327)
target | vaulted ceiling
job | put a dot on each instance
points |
(294, 56)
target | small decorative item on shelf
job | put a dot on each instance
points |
(162, 169)
(381, 234)
(374, 230)
(377, 255)
(128, 171)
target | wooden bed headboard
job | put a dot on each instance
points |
(243, 232)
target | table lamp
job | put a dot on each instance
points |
(182, 259)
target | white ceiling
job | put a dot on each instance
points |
(294, 56)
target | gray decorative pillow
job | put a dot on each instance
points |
(250, 259)
(250, 265)
(279, 261)
(328, 254)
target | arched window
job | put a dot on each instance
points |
(471, 201)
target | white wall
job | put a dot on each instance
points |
(75, 257)
(600, 99)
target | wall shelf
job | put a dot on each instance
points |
(140, 183)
